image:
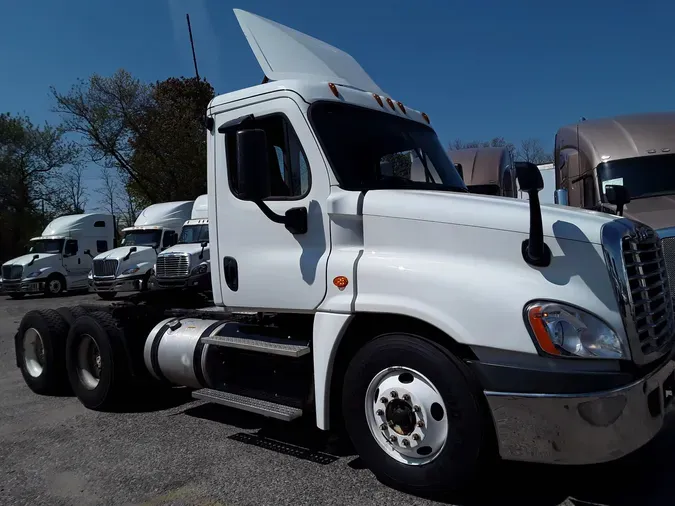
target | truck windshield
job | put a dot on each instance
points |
(142, 238)
(194, 234)
(46, 246)
(371, 150)
(643, 176)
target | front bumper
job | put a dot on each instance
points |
(200, 281)
(582, 428)
(35, 285)
(115, 285)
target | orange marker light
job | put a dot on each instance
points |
(536, 317)
(391, 104)
(340, 282)
(379, 100)
(401, 107)
(426, 118)
(334, 89)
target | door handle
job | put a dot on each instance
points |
(231, 273)
(78, 261)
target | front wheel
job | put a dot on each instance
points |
(55, 286)
(414, 414)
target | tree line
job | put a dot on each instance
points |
(146, 139)
(529, 150)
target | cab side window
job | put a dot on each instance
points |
(170, 238)
(289, 170)
(70, 248)
(101, 246)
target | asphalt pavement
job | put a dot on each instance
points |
(173, 450)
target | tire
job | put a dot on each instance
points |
(70, 314)
(107, 295)
(43, 365)
(98, 389)
(443, 466)
(55, 285)
(17, 296)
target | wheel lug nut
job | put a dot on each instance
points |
(416, 437)
(405, 442)
(406, 397)
(379, 412)
(384, 426)
(420, 423)
(394, 394)
(416, 408)
(392, 439)
(384, 400)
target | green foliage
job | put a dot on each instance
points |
(32, 162)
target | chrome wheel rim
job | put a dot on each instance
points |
(54, 286)
(406, 415)
(89, 362)
(33, 353)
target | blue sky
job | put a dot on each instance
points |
(480, 69)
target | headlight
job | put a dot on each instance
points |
(130, 270)
(200, 269)
(564, 330)
(33, 274)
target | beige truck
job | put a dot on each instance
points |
(622, 165)
(488, 171)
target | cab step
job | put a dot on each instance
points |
(237, 336)
(250, 404)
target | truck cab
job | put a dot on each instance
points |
(130, 267)
(57, 261)
(439, 327)
(634, 151)
(488, 171)
(186, 265)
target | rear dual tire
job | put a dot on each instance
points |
(415, 415)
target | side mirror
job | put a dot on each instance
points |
(88, 253)
(617, 195)
(459, 168)
(534, 249)
(561, 197)
(253, 165)
(205, 244)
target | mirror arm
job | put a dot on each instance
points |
(535, 251)
(295, 219)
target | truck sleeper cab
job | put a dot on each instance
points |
(57, 260)
(634, 151)
(488, 171)
(130, 267)
(440, 327)
(186, 265)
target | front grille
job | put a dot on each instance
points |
(12, 271)
(172, 266)
(103, 268)
(669, 255)
(650, 322)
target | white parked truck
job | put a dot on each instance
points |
(130, 267)
(57, 261)
(438, 327)
(186, 265)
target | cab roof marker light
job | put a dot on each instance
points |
(391, 104)
(379, 99)
(400, 105)
(426, 118)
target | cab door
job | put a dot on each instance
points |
(72, 259)
(261, 264)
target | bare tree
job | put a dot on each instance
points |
(496, 142)
(68, 194)
(531, 150)
(110, 190)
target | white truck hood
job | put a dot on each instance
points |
(189, 248)
(42, 260)
(500, 213)
(144, 257)
(284, 53)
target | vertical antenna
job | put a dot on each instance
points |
(192, 44)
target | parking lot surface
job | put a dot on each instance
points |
(174, 450)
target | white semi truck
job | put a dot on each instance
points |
(56, 261)
(438, 327)
(129, 268)
(186, 265)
